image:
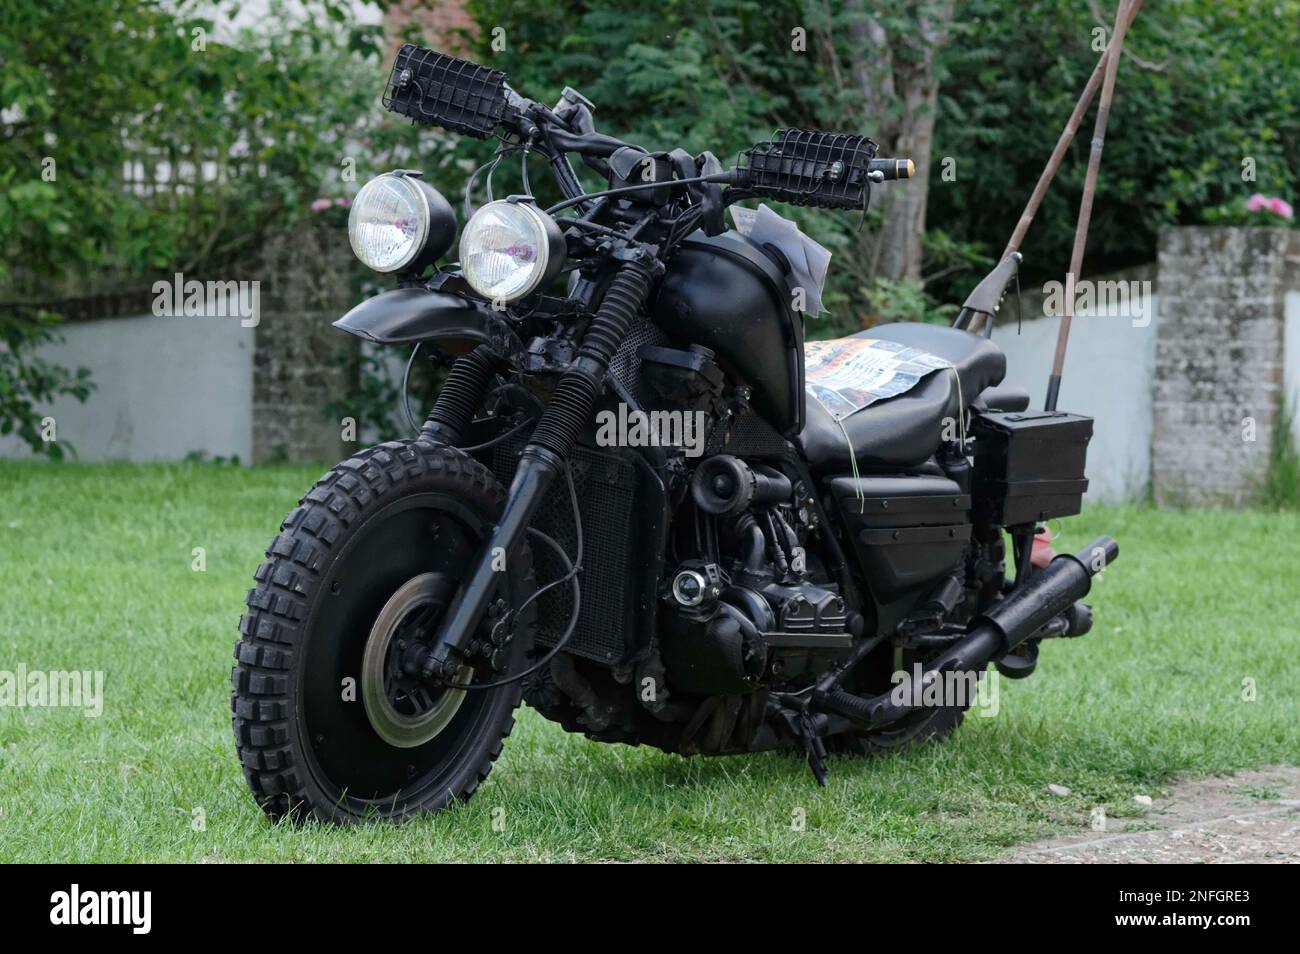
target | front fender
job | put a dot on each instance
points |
(408, 315)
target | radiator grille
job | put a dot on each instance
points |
(608, 486)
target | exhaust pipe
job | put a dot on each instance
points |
(992, 635)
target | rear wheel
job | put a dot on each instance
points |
(330, 720)
(926, 725)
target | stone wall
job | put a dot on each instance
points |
(1169, 393)
(301, 362)
(1220, 374)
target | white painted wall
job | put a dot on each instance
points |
(165, 387)
(1109, 375)
(170, 386)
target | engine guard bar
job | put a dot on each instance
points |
(992, 635)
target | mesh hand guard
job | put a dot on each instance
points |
(440, 90)
(806, 167)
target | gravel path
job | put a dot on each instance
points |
(1208, 820)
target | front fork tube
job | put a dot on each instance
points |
(537, 470)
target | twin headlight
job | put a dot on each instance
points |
(508, 249)
(399, 222)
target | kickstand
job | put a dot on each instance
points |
(814, 746)
(793, 711)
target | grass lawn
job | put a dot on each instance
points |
(95, 573)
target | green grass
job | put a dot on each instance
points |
(95, 573)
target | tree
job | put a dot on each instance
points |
(1206, 112)
(722, 75)
(895, 67)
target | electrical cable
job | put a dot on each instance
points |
(467, 205)
(498, 439)
(572, 570)
(406, 396)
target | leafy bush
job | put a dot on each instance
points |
(1206, 112)
(1206, 95)
(27, 380)
(245, 130)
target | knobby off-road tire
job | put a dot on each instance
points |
(375, 522)
(928, 726)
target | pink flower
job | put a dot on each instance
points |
(320, 205)
(343, 203)
(1280, 207)
(1257, 203)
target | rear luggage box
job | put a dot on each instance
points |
(1029, 466)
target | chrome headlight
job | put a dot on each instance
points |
(509, 249)
(400, 222)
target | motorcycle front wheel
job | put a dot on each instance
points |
(329, 723)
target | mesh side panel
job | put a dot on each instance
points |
(626, 366)
(608, 487)
(747, 435)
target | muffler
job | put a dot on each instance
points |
(992, 635)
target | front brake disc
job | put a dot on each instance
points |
(403, 710)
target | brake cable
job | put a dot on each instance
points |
(406, 395)
(572, 570)
(628, 190)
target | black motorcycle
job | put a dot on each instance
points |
(640, 504)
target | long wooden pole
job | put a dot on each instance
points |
(1123, 16)
(1067, 136)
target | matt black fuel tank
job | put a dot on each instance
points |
(731, 296)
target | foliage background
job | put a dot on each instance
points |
(1207, 84)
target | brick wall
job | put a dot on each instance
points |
(300, 361)
(1219, 360)
(438, 22)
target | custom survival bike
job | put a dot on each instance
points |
(844, 518)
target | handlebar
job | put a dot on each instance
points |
(801, 167)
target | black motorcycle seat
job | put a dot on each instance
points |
(1004, 397)
(905, 430)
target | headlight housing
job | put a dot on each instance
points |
(510, 248)
(399, 222)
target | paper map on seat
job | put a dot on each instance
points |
(847, 374)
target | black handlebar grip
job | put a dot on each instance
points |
(893, 168)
